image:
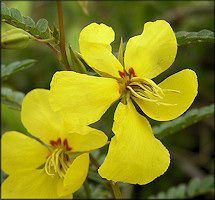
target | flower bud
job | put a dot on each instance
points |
(15, 39)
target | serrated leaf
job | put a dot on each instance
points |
(4, 9)
(206, 184)
(16, 14)
(184, 38)
(189, 118)
(42, 25)
(193, 186)
(6, 71)
(28, 21)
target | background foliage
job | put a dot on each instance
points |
(190, 137)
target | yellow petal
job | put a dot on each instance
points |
(21, 152)
(28, 184)
(135, 156)
(76, 174)
(185, 82)
(82, 98)
(38, 117)
(152, 52)
(96, 50)
(84, 138)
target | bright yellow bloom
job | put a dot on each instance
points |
(135, 155)
(55, 168)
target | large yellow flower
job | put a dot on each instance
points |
(55, 168)
(135, 155)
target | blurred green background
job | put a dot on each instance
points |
(192, 149)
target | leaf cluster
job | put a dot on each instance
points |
(189, 118)
(14, 17)
(195, 187)
(184, 37)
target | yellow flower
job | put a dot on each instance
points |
(135, 155)
(55, 168)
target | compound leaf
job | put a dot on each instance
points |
(189, 118)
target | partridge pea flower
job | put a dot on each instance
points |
(135, 155)
(55, 168)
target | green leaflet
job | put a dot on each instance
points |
(6, 71)
(12, 98)
(195, 187)
(28, 21)
(16, 14)
(13, 17)
(190, 117)
(42, 25)
(184, 38)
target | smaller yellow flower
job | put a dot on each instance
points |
(55, 164)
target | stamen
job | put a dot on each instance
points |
(140, 96)
(166, 104)
(58, 162)
(147, 88)
(170, 90)
(146, 81)
(56, 159)
(47, 167)
(131, 72)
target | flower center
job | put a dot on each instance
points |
(145, 89)
(142, 88)
(58, 162)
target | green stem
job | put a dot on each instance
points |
(116, 190)
(113, 186)
(87, 189)
(62, 39)
(43, 40)
(55, 50)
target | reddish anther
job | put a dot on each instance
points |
(55, 143)
(58, 143)
(131, 72)
(122, 74)
(65, 142)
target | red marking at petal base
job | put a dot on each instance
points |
(122, 74)
(131, 72)
(65, 142)
(55, 143)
